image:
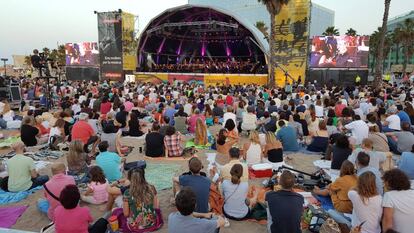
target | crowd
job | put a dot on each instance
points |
(357, 128)
(212, 66)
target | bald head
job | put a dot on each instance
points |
(18, 147)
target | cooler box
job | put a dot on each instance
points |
(262, 170)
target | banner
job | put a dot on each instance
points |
(129, 45)
(291, 41)
(110, 45)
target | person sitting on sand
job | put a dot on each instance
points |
(78, 162)
(223, 145)
(109, 162)
(185, 220)
(22, 172)
(97, 187)
(234, 159)
(154, 142)
(81, 130)
(53, 188)
(199, 184)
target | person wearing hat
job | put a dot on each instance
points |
(83, 131)
(392, 122)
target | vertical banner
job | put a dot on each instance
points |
(291, 41)
(110, 45)
(129, 45)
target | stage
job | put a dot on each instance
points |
(206, 79)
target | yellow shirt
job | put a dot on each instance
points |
(225, 170)
(339, 193)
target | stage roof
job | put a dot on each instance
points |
(176, 21)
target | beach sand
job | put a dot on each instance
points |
(33, 220)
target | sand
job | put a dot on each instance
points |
(33, 220)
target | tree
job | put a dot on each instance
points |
(351, 32)
(374, 41)
(263, 28)
(61, 58)
(331, 31)
(273, 7)
(28, 61)
(382, 34)
(404, 35)
(46, 51)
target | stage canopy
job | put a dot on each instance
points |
(196, 34)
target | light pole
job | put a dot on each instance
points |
(5, 71)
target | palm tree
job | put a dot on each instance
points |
(382, 34)
(28, 61)
(331, 31)
(263, 28)
(351, 32)
(273, 7)
(61, 58)
(404, 35)
(374, 41)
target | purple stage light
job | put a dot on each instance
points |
(179, 48)
(203, 49)
(161, 46)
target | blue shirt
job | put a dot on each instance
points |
(201, 187)
(404, 117)
(378, 181)
(406, 164)
(110, 163)
(170, 112)
(178, 223)
(287, 135)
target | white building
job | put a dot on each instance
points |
(253, 11)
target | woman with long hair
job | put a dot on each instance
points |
(201, 137)
(320, 138)
(30, 135)
(253, 150)
(208, 113)
(273, 150)
(78, 162)
(140, 205)
(366, 203)
(134, 126)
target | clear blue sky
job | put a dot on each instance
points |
(28, 24)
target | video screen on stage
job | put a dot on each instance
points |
(339, 52)
(82, 54)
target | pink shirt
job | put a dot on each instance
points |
(72, 221)
(99, 192)
(128, 106)
(55, 185)
(193, 120)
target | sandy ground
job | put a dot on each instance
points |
(33, 220)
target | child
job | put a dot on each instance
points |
(96, 193)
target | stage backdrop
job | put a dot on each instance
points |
(129, 45)
(110, 45)
(292, 35)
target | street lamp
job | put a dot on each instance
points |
(5, 71)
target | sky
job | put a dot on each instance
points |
(29, 24)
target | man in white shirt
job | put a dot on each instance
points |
(392, 122)
(229, 115)
(358, 128)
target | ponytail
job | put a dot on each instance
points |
(236, 172)
(235, 179)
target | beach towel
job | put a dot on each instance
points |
(9, 215)
(166, 158)
(160, 175)
(326, 202)
(9, 197)
(9, 141)
(190, 143)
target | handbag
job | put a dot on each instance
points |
(330, 226)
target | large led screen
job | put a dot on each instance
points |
(82, 54)
(339, 52)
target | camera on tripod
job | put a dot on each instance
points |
(318, 178)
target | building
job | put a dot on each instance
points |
(396, 56)
(253, 11)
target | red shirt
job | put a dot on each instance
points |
(338, 109)
(81, 130)
(106, 107)
(73, 220)
(229, 100)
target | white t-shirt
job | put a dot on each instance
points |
(318, 111)
(359, 130)
(187, 108)
(394, 122)
(54, 131)
(370, 212)
(402, 203)
(235, 197)
(229, 115)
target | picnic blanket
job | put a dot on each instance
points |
(166, 158)
(9, 215)
(9, 197)
(190, 143)
(160, 175)
(326, 202)
(9, 141)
